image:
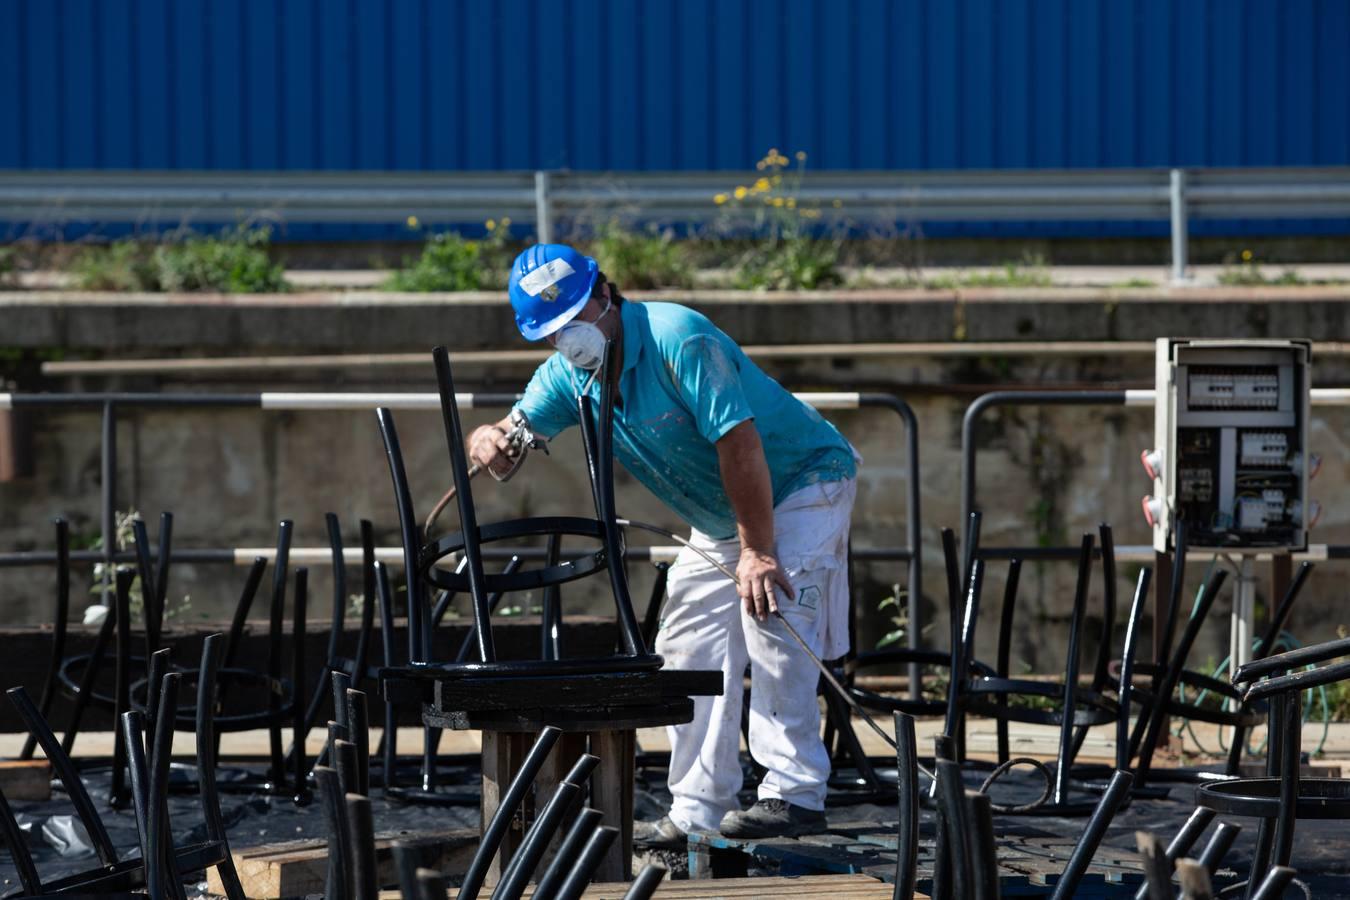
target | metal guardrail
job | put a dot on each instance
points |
(109, 404)
(212, 197)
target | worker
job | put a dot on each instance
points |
(767, 487)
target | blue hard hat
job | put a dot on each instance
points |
(549, 285)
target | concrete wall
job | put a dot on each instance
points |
(1046, 474)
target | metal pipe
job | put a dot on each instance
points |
(646, 883)
(339, 852)
(108, 496)
(408, 534)
(344, 760)
(907, 803)
(1069, 705)
(161, 874)
(299, 728)
(1124, 696)
(983, 849)
(952, 799)
(66, 773)
(365, 874)
(971, 419)
(60, 624)
(1004, 661)
(535, 842)
(389, 740)
(133, 735)
(274, 643)
(361, 661)
(1276, 880)
(468, 516)
(594, 851)
(1219, 845)
(543, 214)
(1086, 847)
(358, 718)
(1176, 201)
(495, 830)
(568, 851)
(117, 792)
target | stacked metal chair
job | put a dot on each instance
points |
(353, 870)
(159, 870)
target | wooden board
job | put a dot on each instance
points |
(572, 691)
(26, 779)
(816, 887)
(297, 868)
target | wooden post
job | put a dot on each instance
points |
(566, 752)
(612, 794)
(502, 755)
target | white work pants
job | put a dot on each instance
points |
(704, 626)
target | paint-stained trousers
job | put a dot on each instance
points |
(704, 626)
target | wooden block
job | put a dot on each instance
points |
(482, 694)
(297, 868)
(26, 779)
(503, 752)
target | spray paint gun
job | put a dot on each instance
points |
(520, 439)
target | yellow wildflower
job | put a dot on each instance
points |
(791, 203)
(719, 199)
(760, 165)
(777, 201)
(412, 222)
(506, 222)
(1246, 256)
(490, 225)
(740, 192)
(836, 204)
(801, 156)
(762, 185)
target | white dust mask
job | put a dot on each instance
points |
(583, 343)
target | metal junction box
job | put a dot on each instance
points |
(1231, 439)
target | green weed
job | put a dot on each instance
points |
(641, 260)
(448, 263)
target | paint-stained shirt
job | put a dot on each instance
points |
(684, 385)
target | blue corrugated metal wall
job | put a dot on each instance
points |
(672, 84)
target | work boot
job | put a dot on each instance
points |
(662, 833)
(772, 817)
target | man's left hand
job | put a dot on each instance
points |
(758, 573)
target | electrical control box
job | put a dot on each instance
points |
(1231, 451)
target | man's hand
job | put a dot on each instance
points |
(757, 573)
(488, 448)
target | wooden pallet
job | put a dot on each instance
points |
(26, 779)
(298, 868)
(815, 887)
(1030, 860)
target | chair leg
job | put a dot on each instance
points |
(66, 773)
(358, 726)
(117, 793)
(596, 847)
(1005, 627)
(907, 833)
(17, 845)
(299, 730)
(360, 827)
(274, 652)
(60, 624)
(1069, 705)
(161, 852)
(1092, 835)
(1182, 842)
(96, 657)
(361, 660)
(212, 650)
(389, 742)
(335, 818)
(572, 844)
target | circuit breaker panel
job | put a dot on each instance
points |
(1231, 431)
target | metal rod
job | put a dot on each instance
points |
(1276, 880)
(361, 660)
(407, 532)
(274, 644)
(1176, 201)
(568, 851)
(543, 213)
(117, 792)
(1219, 844)
(17, 843)
(1069, 705)
(536, 841)
(495, 830)
(594, 851)
(952, 797)
(212, 648)
(646, 883)
(365, 874)
(344, 759)
(1004, 662)
(133, 734)
(161, 874)
(550, 620)
(983, 848)
(358, 718)
(468, 517)
(60, 624)
(907, 803)
(389, 741)
(66, 773)
(1092, 835)
(108, 500)
(299, 727)
(334, 813)
(1125, 694)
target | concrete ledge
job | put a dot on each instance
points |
(371, 321)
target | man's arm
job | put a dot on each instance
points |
(745, 477)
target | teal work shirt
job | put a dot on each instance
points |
(684, 385)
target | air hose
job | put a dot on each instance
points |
(848, 698)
